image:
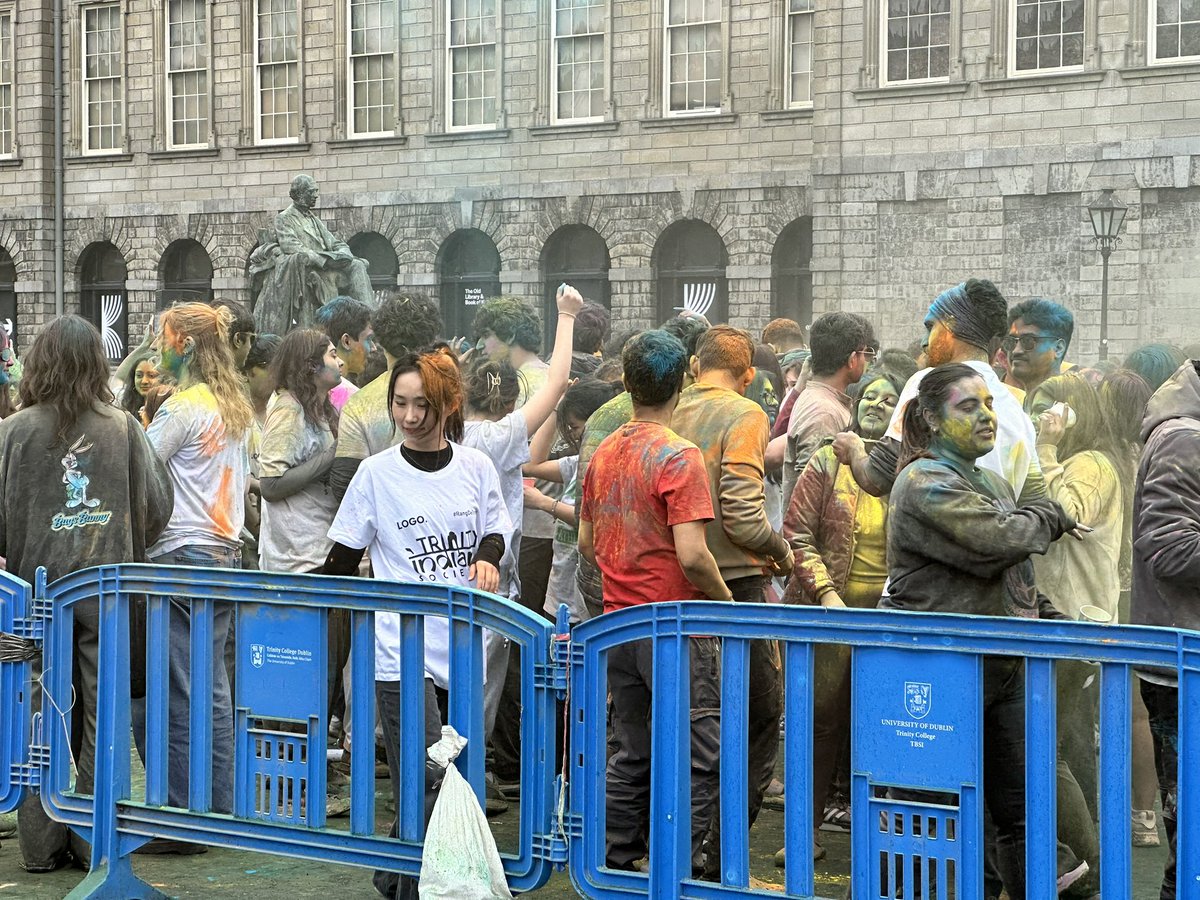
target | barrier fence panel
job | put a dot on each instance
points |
(20, 633)
(917, 736)
(279, 716)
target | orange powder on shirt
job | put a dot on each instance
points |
(221, 509)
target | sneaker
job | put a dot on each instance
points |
(1069, 878)
(773, 795)
(8, 825)
(837, 818)
(780, 855)
(336, 806)
(169, 847)
(1145, 828)
(495, 801)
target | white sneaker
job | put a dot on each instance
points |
(1145, 828)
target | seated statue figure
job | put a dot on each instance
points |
(302, 265)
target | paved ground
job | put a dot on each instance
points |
(234, 874)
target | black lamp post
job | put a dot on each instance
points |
(1107, 217)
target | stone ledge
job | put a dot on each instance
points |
(253, 150)
(692, 120)
(796, 114)
(379, 140)
(12, 162)
(1055, 79)
(1163, 70)
(83, 160)
(192, 153)
(910, 90)
(483, 134)
(573, 128)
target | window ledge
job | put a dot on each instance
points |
(690, 121)
(567, 128)
(11, 162)
(379, 140)
(798, 114)
(83, 160)
(273, 149)
(484, 134)
(1016, 82)
(910, 90)
(1160, 70)
(186, 153)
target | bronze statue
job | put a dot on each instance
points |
(302, 265)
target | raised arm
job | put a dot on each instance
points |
(538, 407)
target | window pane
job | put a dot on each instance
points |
(922, 28)
(1058, 26)
(103, 71)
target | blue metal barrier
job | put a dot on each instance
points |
(280, 774)
(916, 725)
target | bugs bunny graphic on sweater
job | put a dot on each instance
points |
(74, 479)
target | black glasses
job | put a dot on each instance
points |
(1028, 342)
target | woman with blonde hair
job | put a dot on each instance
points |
(201, 433)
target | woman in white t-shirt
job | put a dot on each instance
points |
(201, 433)
(430, 510)
(295, 454)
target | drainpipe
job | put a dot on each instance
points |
(59, 300)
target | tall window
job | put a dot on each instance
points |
(103, 72)
(187, 72)
(102, 296)
(800, 45)
(693, 56)
(689, 263)
(374, 36)
(578, 59)
(1047, 34)
(185, 273)
(381, 255)
(791, 272)
(473, 82)
(1175, 30)
(6, 83)
(918, 40)
(8, 295)
(277, 70)
(577, 255)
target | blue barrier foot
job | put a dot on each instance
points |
(114, 880)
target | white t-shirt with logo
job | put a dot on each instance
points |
(420, 527)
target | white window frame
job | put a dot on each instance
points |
(85, 105)
(716, 23)
(169, 103)
(496, 70)
(1152, 42)
(258, 69)
(789, 16)
(883, 52)
(1011, 52)
(556, 41)
(394, 55)
(8, 119)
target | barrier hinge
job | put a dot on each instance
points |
(32, 627)
(560, 664)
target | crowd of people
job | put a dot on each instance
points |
(979, 471)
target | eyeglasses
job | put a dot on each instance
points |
(869, 352)
(1028, 342)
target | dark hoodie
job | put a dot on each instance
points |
(1166, 506)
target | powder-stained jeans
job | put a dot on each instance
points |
(1162, 703)
(765, 709)
(179, 675)
(631, 686)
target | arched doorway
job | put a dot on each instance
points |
(577, 255)
(689, 270)
(185, 273)
(379, 252)
(469, 264)
(791, 272)
(102, 296)
(8, 295)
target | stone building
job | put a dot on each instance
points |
(748, 157)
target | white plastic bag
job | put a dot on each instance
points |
(461, 861)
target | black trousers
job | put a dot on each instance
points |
(631, 687)
(387, 698)
(1162, 703)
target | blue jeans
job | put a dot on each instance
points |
(179, 685)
